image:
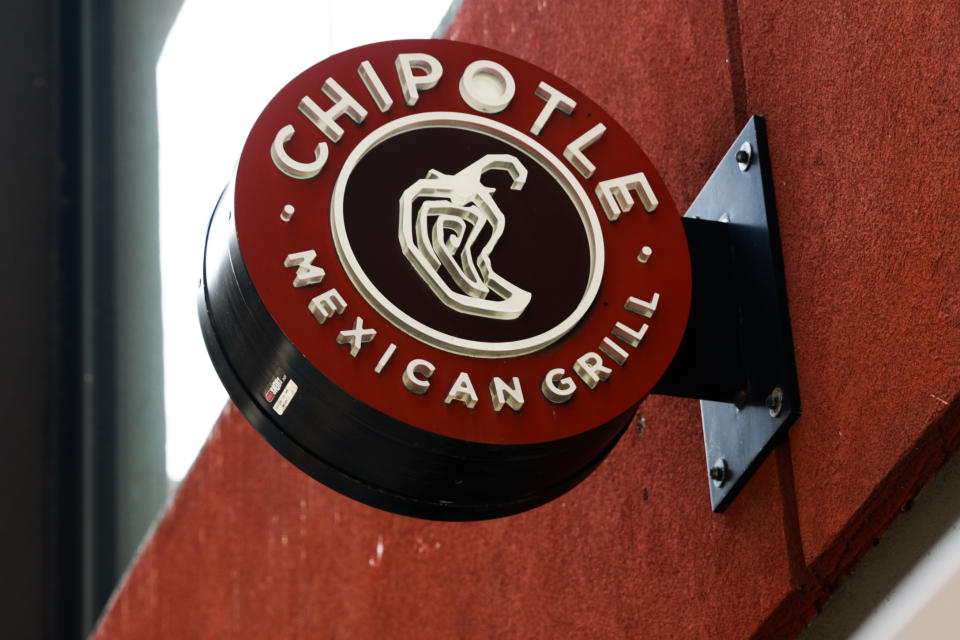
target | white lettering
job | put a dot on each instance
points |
(556, 101)
(308, 274)
(289, 166)
(326, 304)
(343, 103)
(642, 307)
(375, 86)
(574, 151)
(416, 376)
(487, 86)
(615, 351)
(412, 84)
(615, 198)
(356, 337)
(384, 359)
(590, 368)
(557, 394)
(501, 393)
(462, 391)
(628, 335)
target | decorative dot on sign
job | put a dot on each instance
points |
(287, 212)
(644, 254)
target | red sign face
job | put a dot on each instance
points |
(463, 242)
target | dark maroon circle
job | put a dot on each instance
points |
(544, 247)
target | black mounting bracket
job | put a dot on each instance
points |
(737, 353)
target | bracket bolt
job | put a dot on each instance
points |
(641, 423)
(775, 402)
(719, 472)
(744, 156)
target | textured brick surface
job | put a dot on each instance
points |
(864, 127)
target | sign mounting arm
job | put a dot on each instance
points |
(737, 354)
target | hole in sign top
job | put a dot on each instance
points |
(442, 279)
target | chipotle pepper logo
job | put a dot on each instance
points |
(452, 212)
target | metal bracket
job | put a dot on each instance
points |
(737, 354)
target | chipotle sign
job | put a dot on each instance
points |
(441, 279)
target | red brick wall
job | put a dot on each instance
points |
(864, 126)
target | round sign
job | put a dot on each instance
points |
(442, 279)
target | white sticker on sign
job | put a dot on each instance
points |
(285, 397)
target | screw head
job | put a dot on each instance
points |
(744, 156)
(719, 472)
(641, 423)
(775, 402)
